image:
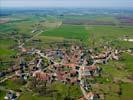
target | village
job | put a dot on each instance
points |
(70, 65)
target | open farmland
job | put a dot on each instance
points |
(90, 20)
(69, 32)
(70, 51)
(109, 34)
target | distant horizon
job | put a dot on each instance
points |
(41, 8)
(114, 4)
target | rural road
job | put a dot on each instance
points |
(7, 78)
(30, 39)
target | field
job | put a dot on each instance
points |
(62, 89)
(92, 30)
(127, 91)
(6, 52)
(113, 73)
(69, 32)
(62, 92)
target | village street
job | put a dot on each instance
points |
(7, 77)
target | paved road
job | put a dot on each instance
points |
(81, 82)
(39, 63)
(7, 78)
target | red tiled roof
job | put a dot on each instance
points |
(90, 68)
(70, 65)
(41, 75)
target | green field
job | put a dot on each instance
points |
(91, 35)
(125, 64)
(127, 89)
(103, 34)
(69, 32)
(89, 17)
(62, 91)
(5, 45)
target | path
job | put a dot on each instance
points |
(31, 38)
(7, 78)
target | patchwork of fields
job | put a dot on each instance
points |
(94, 31)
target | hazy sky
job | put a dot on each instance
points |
(67, 3)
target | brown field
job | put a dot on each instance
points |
(2, 21)
(125, 20)
(87, 22)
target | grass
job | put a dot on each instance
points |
(62, 91)
(30, 96)
(10, 84)
(126, 64)
(4, 52)
(102, 34)
(112, 97)
(111, 69)
(2, 94)
(5, 44)
(109, 88)
(127, 90)
(23, 25)
(69, 32)
(90, 17)
(49, 38)
(128, 61)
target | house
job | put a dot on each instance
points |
(72, 65)
(10, 96)
(90, 71)
(90, 96)
(40, 75)
(18, 73)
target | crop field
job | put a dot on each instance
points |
(93, 31)
(5, 46)
(90, 20)
(102, 34)
(69, 32)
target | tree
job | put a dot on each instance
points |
(38, 86)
